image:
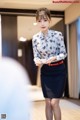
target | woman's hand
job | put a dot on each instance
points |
(51, 59)
(43, 61)
(38, 62)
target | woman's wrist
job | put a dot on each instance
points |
(54, 58)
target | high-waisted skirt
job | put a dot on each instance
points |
(53, 79)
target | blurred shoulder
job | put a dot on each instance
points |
(56, 33)
(37, 35)
(35, 38)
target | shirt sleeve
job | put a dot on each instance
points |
(35, 50)
(61, 46)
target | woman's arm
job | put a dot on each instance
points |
(62, 50)
(36, 54)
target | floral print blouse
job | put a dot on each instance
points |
(48, 46)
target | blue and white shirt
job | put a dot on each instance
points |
(48, 46)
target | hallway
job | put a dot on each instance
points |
(70, 108)
(70, 111)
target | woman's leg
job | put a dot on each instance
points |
(48, 109)
(56, 109)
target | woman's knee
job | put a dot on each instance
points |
(48, 102)
(55, 102)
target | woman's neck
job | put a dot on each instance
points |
(45, 32)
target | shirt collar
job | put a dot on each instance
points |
(47, 34)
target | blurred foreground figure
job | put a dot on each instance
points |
(15, 102)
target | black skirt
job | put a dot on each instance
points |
(53, 79)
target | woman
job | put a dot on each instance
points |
(49, 51)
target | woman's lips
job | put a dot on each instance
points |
(43, 27)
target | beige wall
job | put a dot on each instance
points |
(73, 62)
(72, 13)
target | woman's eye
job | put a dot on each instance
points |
(39, 20)
(45, 20)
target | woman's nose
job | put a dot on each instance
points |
(42, 22)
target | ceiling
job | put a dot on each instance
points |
(25, 24)
(34, 4)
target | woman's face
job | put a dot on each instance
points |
(43, 23)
